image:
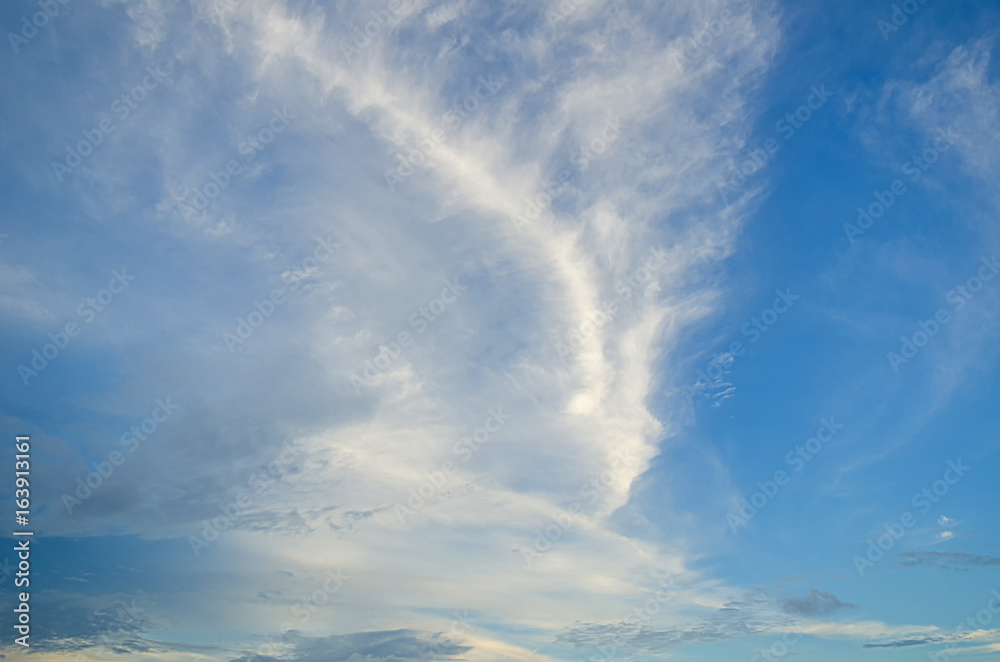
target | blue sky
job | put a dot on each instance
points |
(505, 331)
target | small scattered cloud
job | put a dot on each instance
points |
(817, 603)
(733, 620)
(904, 643)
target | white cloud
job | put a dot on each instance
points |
(654, 185)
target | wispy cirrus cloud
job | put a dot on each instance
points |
(571, 473)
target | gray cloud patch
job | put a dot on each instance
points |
(380, 646)
(77, 623)
(817, 603)
(903, 643)
(114, 622)
(725, 623)
(947, 560)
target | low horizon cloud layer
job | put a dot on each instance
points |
(419, 330)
